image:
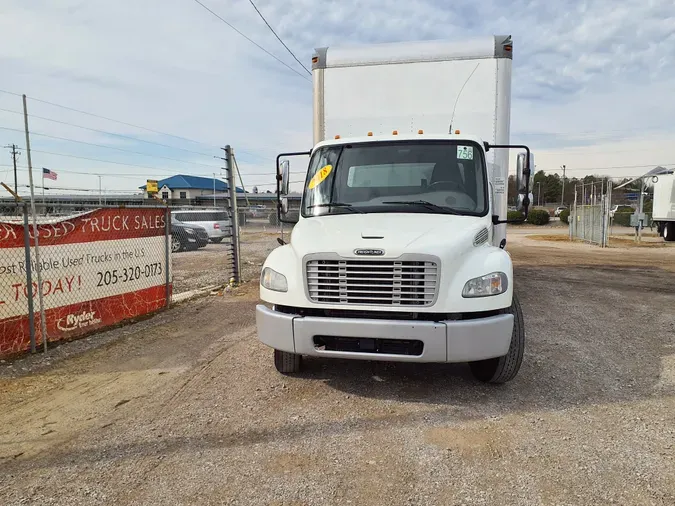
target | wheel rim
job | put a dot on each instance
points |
(175, 245)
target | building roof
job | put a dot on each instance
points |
(186, 182)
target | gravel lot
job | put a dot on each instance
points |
(212, 265)
(187, 408)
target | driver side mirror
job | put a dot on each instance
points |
(524, 180)
(284, 205)
(285, 167)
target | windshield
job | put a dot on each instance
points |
(412, 177)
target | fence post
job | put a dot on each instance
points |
(29, 278)
(167, 255)
(608, 203)
(232, 189)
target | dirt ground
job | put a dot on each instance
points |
(212, 265)
(187, 408)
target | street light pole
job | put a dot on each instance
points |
(562, 197)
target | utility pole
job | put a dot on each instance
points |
(643, 188)
(43, 323)
(235, 214)
(100, 192)
(15, 153)
(214, 189)
(562, 197)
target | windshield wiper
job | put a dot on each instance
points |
(349, 207)
(423, 203)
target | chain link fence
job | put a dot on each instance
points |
(589, 215)
(70, 270)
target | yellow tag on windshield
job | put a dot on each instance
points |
(320, 176)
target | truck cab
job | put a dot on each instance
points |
(398, 253)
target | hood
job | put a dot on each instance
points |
(442, 235)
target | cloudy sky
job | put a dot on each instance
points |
(593, 81)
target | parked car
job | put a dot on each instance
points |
(257, 211)
(559, 210)
(187, 237)
(620, 209)
(216, 222)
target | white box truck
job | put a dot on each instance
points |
(398, 252)
(663, 210)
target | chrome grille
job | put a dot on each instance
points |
(372, 282)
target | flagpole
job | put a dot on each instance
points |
(36, 240)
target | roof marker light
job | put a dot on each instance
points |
(370, 134)
(395, 132)
(456, 132)
(420, 131)
(337, 136)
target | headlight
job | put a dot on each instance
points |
(272, 280)
(485, 286)
(189, 231)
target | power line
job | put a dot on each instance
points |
(105, 132)
(120, 175)
(278, 38)
(109, 119)
(253, 42)
(129, 137)
(131, 175)
(80, 189)
(108, 161)
(274, 184)
(111, 147)
(617, 167)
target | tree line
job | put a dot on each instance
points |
(548, 188)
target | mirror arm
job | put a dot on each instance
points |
(497, 221)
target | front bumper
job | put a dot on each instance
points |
(444, 341)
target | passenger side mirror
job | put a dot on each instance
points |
(524, 180)
(285, 167)
(284, 205)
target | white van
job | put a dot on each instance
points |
(216, 221)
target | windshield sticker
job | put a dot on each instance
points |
(464, 152)
(320, 176)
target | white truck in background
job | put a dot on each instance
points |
(663, 210)
(398, 252)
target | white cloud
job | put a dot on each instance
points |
(592, 79)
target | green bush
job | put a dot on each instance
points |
(514, 215)
(538, 217)
(565, 216)
(622, 219)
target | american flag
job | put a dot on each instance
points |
(49, 174)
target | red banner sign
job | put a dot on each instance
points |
(98, 269)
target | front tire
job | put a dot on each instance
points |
(217, 240)
(669, 231)
(176, 245)
(503, 369)
(287, 363)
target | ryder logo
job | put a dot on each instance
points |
(78, 321)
